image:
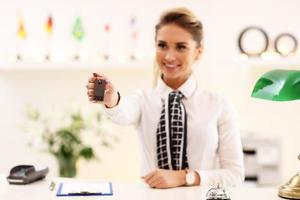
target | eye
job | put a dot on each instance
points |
(161, 45)
(181, 47)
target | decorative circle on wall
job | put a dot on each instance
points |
(285, 44)
(253, 41)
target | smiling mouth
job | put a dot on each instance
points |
(170, 66)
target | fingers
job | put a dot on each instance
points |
(90, 93)
(148, 176)
(109, 88)
(96, 76)
(155, 179)
(99, 76)
(109, 92)
(92, 79)
(156, 182)
(90, 85)
(92, 100)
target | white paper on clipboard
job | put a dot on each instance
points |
(84, 187)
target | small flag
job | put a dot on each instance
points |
(132, 21)
(78, 30)
(49, 25)
(107, 28)
(22, 34)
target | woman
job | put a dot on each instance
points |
(188, 136)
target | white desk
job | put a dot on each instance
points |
(129, 191)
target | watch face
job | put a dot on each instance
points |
(190, 178)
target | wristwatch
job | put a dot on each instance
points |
(190, 177)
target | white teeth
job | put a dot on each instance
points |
(171, 66)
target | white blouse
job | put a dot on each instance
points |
(213, 140)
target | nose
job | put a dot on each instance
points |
(170, 55)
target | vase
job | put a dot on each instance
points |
(67, 166)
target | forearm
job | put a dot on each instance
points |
(162, 178)
(226, 177)
(126, 111)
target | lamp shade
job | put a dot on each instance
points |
(278, 85)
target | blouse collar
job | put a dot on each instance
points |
(187, 88)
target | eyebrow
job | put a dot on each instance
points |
(161, 41)
(178, 43)
(181, 43)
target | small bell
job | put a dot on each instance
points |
(217, 193)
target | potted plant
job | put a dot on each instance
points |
(63, 134)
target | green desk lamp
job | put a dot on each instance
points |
(281, 85)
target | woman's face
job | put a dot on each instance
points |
(175, 52)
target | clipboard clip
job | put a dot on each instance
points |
(84, 193)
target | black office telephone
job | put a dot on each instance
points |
(24, 174)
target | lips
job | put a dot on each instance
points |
(171, 68)
(167, 65)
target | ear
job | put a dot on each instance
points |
(198, 53)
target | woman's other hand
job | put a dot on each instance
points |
(162, 178)
(110, 94)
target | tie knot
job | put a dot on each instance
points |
(176, 95)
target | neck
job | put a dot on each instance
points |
(175, 83)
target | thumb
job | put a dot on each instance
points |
(96, 75)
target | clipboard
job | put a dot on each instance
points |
(85, 188)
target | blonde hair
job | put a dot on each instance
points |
(185, 19)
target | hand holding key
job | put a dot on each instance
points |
(101, 90)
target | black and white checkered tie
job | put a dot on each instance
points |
(172, 134)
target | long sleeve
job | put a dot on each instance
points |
(230, 155)
(127, 112)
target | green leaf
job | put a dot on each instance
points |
(65, 152)
(65, 142)
(68, 137)
(87, 153)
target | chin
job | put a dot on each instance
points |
(171, 75)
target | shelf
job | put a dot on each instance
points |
(282, 62)
(24, 66)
